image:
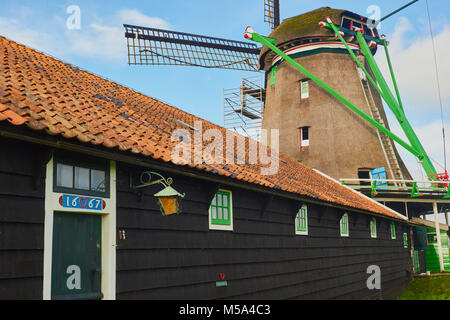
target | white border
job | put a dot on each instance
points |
(348, 226)
(217, 227)
(314, 46)
(108, 280)
(376, 229)
(395, 234)
(302, 233)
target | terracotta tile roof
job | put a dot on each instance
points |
(43, 93)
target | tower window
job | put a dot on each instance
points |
(304, 89)
(304, 137)
(365, 174)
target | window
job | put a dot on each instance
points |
(304, 137)
(405, 240)
(84, 178)
(373, 228)
(345, 231)
(221, 211)
(393, 231)
(365, 174)
(301, 221)
(353, 25)
(304, 89)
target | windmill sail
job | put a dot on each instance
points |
(150, 46)
(272, 13)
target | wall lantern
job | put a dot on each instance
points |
(169, 199)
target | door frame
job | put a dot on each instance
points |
(108, 255)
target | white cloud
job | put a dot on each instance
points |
(14, 30)
(100, 38)
(414, 67)
(430, 135)
(134, 17)
(107, 41)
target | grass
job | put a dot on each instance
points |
(428, 288)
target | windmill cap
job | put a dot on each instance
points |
(309, 24)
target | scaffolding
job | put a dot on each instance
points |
(243, 107)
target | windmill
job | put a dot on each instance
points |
(318, 125)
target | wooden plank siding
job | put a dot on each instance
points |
(21, 222)
(178, 257)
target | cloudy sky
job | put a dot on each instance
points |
(99, 46)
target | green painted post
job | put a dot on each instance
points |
(269, 43)
(391, 69)
(406, 126)
(391, 102)
(332, 27)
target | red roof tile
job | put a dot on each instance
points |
(46, 94)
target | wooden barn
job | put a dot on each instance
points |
(80, 216)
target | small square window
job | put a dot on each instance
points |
(405, 241)
(345, 231)
(85, 178)
(64, 177)
(373, 228)
(393, 231)
(82, 180)
(221, 211)
(304, 88)
(304, 137)
(301, 221)
(98, 180)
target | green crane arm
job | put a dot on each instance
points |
(415, 147)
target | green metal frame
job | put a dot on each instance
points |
(379, 83)
(413, 190)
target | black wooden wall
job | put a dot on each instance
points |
(178, 257)
(22, 191)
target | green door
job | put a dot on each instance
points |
(76, 257)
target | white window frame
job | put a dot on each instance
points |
(345, 235)
(372, 221)
(109, 231)
(218, 227)
(304, 143)
(304, 89)
(304, 208)
(393, 235)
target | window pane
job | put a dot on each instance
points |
(64, 176)
(219, 200)
(305, 89)
(81, 178)
(225, 201)
(98, 180)
(305, 133)
(225, 214)
(214, 212)
(220, 214)
(214, 200)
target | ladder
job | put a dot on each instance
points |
(386, 143)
